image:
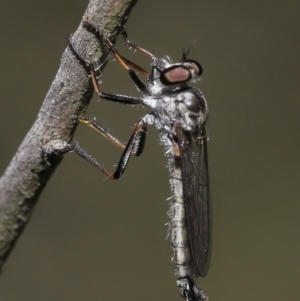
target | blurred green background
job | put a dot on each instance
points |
(91, 239)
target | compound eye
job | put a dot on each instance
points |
(191, 64)
(175, 75)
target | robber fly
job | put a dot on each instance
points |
(179, 112)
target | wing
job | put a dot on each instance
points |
(193, 153)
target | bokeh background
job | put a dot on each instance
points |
(96, 239)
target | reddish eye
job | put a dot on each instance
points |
(175, 75)
(194, 65)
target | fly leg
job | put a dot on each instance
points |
(111, 97)
(126, 64)
(135, 46)
(101, 130)
(134, 146)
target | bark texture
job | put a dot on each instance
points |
(66, 101)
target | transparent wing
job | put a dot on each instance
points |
(193, 153)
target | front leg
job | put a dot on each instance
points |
(111, 97)
(126, 64)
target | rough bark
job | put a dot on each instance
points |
(66, 101)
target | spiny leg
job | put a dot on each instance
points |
(100, 129)
(135, 66)
(135, 146)
(155, 70)
(111, 97)
(88, 64)
(135, 46)
(138, 82)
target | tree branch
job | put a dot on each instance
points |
(66, 101)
